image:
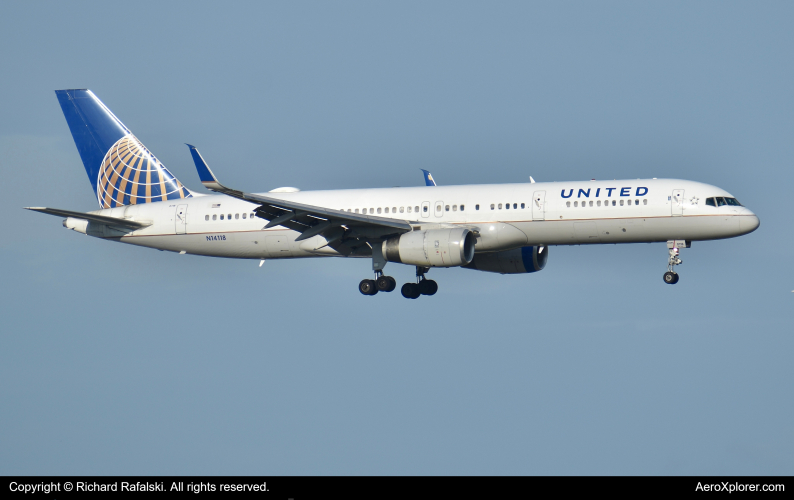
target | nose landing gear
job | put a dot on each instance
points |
(673, 249)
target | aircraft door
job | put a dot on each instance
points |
(425, 209)
(439, 208)
(180, 219)
(539, 205)
(677, 202)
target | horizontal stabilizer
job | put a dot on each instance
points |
(102, 219)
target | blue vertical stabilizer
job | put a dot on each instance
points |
(120, 168)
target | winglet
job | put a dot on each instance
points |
(428, 178)
(205, 174)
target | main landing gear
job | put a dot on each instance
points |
(673, 249)
(380, 284)
(423, 286)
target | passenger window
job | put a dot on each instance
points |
(454, 208)
(230, 216)
(476, 207)
(206, 217)
(386, 210)
(461, 207)
(613, 203)
(356, 210)
(598, 203)
(378, 209)
(425, 209)
(500, 206)
(507, 206)
(252, 216)
(492, 206)
(576, 203)
(522, 205)
(446, 208)
(416, 209)
(567, 203)
(221, 216)
(591, 203)
(720, 201)
(244, 216)
(409, 210)
(636, 202)
(621, 203)
(438, 208)
(645, 201)
(236, 216)
(214, 217)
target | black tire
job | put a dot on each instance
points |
(676, 278)
(386, 283)
(670, 278)
(410, 290)
(368, 287)
(428, 287)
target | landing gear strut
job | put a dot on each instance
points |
(381, 283)
(423, 286)
(673, 249)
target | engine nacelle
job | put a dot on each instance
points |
(431, 248)
(515, 261)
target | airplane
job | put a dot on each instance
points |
(500, 228)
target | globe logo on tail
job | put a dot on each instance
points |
(130, 175)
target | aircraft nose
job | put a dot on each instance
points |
(749, 223)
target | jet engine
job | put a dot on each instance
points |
(515, 261)
(431, 248)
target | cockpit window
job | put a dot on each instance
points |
(720, 201)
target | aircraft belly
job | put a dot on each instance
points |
(630, 230)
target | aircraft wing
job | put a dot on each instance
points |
(102, 219)
(308, 220)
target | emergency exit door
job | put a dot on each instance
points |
(180, 220)
(677, 202)
(539, 205)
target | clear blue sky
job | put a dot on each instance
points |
(122, 360)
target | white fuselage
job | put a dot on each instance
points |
(506, 215)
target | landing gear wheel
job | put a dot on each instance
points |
(386, 283)
(368, 287)
(670, 278)
(410, 291)
(428, 287)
